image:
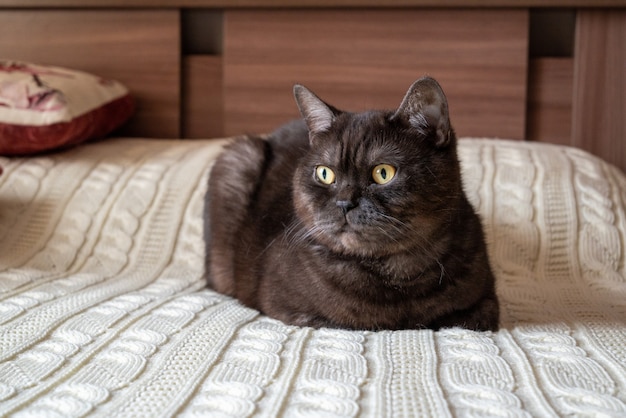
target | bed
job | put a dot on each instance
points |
(104, 309)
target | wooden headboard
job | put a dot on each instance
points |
(491, 58)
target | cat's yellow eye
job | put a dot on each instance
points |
(383, 173)
(325, 174)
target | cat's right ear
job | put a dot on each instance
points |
(426, 108)
(317, 114)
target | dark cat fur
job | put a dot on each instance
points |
(353, 254)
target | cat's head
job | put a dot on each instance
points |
(378, 182)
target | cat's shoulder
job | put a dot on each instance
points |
(293, 133)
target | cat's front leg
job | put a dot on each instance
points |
(482, 316)
(303, 320)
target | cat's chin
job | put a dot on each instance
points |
(346, 243)
(350, 242)
(353, 243)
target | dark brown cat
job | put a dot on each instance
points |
(352, 220)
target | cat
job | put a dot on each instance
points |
(351, 220)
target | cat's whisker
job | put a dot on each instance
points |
(399, 226)
(443, 271)
(292, 231)
(296, 234)
(267, 247)
(419, 250)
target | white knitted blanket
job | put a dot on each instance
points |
(103, 311)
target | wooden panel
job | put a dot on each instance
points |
(138, 48)
(203, 110)
(600, 84)
(550, 100)
(359, 59)
(221, 4)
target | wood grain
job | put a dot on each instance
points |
(360, 59)
(599, 107)
(550, 100)
(222, 4)
(136, 47)
(203, 109)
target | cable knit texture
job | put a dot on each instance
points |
(104, 311)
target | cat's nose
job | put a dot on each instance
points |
(345, 205)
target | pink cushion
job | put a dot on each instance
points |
(44, 108)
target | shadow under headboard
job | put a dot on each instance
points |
(493, 60)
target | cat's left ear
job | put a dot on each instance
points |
(425, 107)
(317, 114)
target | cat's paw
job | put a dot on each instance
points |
(483, 316)
(306, 320)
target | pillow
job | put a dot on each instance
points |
(44, 108)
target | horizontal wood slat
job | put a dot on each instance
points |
(221, 4)
(360, 59)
